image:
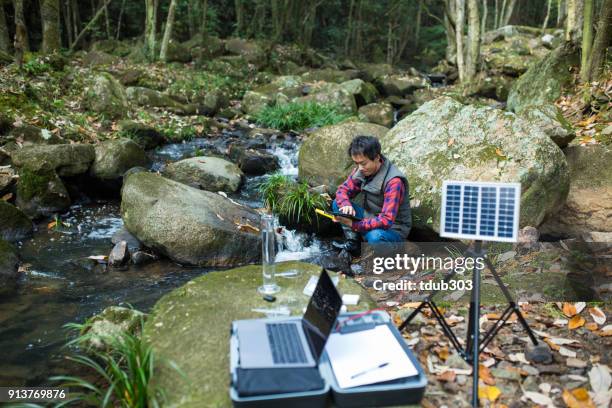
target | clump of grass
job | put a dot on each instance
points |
(289, 199)
(125, 369)
(299, 116)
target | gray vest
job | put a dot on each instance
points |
(373, 195)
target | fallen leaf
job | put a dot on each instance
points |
(560, 322)
(577, 398)
(447, 376)
(247, 228)
(499, 152)
(7, 196)
(451, 141)
(575, 322)
(599, 377)
(598, 316)
(220, 217)
(569, 309)
(538, 398)
(565, 352)
(485, 375)
(491, 393)
(591, 326)
(52, 224)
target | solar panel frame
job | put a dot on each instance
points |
(496, 212)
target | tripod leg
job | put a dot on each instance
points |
(511, 301)
(475, 334)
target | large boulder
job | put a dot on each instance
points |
(9, 264)
(151, 98)
(28, 135)
(545, 80)
(401, 85)
(114, 157)
(253, 162)
(14, 224)
(145, 136)
(40, 192)
(104, 329)
(371, 72)
(250, 50)
(190, 226)
(380, 113)
(589, 202)
(446, 140)
(190, 326)
(178, 52)
(106, 95)
(206, 173)
(254, 102)
(326, 75)
(333, 95)
(65, 159)
(551, 121)
(323, 157)
(364, 92)
(281, 88)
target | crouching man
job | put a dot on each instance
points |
(385, 208)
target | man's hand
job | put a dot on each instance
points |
(348, 209)
(343, 220)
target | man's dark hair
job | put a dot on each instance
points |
(369, 146)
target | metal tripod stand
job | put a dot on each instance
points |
(474, 344)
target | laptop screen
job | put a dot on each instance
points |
(321, 314)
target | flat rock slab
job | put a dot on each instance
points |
(191, 327)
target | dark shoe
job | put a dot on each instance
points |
(352, 246)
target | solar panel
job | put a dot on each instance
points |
(480, 210)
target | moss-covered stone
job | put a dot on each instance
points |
(114, 157)
(446, 140)
(14, 224)
(107, 326)
(145, 136)
(65, 159)
(107, 96)
(551, 121)
(545, 80)
(379, 113)
(152, 98)
(9, 262)
(364, 92)
(190, 226)
(207, 173)
(28, 135)
(323, 157)
(41, 192)
(191, 327)
(401, 85)
(326, 75)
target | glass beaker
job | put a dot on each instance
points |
(268, 255)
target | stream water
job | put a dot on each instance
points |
(61, 284)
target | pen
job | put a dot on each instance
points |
(368, 370)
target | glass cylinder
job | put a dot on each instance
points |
(268, 255)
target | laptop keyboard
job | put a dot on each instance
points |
(285, 343)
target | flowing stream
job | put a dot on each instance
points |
(59, 282)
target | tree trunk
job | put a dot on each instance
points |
(560, 13)
(501, 13)
(5, 41)
(417, 28)
(602, 41)
(89, 25)
(21, 43)
(163, 54)
(108, 27)
(76, 19)
(485, 11)
(460, 23)
(587, 40)
(349, 28)
(151, 28)
(496, 17)
(239, 17)
(545, 24)
(203, 33)
(50, 17)
(451, 40)
(473, 53)
(508, 12)
(573, 23)
(120, 18)
(390, 42)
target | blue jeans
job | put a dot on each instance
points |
(376, 235)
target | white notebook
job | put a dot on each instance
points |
(368, 357)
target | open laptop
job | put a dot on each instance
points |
(267, 343)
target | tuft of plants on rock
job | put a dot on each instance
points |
(299, 116)
(291, 200)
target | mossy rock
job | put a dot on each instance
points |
(331, 94)
(107, 96)
(190, 226)
(110, 324)
(145, 136)
(40, 192)
(110, 46)
(323, 157)
(6, 122)
(446, 140)
(14, 224)
(151, 98)
(371, 72)
(206, 173)
(364, 92)
(379, 113)
(545, 80)
(551, 121)
(28, 135)
(325, 74)
(114, 157)
(400, 85)
(9, 263)
(190, 326)
(65, 159)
